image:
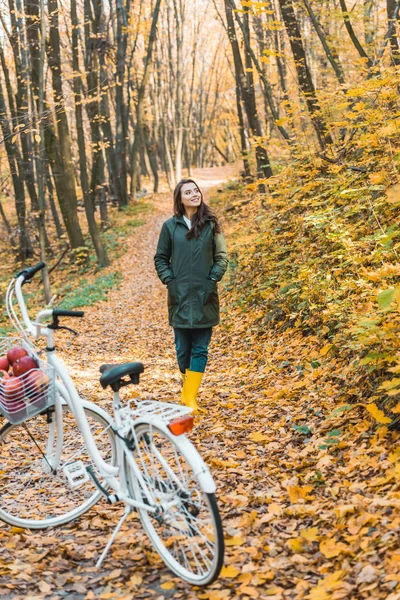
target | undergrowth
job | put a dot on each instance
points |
(317, 257)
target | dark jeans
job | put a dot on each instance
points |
(192, 348)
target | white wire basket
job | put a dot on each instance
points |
(27, 384)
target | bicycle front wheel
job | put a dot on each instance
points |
(33, 494)
(187, 531)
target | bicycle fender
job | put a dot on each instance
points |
(191, 454)
(201, 471)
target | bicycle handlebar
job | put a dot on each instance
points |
(62, 312)
(27, 274)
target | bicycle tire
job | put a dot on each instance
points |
(192, 527)
(33, 496)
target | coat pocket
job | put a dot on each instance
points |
(211, 289)
(172, 293)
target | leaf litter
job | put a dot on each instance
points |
(308, 484)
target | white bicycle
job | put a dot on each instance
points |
(59, 454)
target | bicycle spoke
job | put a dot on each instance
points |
(184, 527)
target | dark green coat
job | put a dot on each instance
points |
(189, 268)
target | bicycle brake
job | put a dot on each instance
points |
(56, 325)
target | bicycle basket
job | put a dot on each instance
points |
(24, 395)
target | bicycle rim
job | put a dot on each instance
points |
(31, 494)
(188, 534)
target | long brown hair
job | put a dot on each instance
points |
(203, 214)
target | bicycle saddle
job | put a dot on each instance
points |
(113, 374)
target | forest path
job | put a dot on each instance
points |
(308, 493)
(131, 325)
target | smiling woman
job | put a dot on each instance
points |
(191, 258)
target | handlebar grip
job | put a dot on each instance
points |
(62, 312)
(30, 272)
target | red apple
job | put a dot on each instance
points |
(36, 383)
(4, 375)
(15, 353)
(4, 364)
(12, 393)
(23, 365)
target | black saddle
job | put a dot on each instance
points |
(113, 375)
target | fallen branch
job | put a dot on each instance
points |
(59, 260)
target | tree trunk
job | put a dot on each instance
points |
(61, 160)
(264, 169)
(25, 248)
(394, 42)
(121, 133)
(102, 259)
(352, 34)
(140, 100)
(303, 73)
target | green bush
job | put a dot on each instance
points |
(90, 293)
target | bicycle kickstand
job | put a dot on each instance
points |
(127, 511)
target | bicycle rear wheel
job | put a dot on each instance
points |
(188, 534)
(32, 495)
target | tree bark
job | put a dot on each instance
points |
(25, 248)
(61, 160)
(140, 100)
(264, 169)
(303, 72)
(353, 35)
(394, 42)
(102, 259)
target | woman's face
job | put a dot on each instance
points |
(190, 195)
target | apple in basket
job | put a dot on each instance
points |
(15, 353)
(4, 364)
(12, 393)
(23, 365)
(36, 383)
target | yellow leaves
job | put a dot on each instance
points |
(274, 508)
(330, 548)
(230, 572)
(354, 92)
(344, 510)
(378, 415)
(322, 591)
(393, 194)
(324, 351)
(136, 579)
(378, 177)
(168, 585)
(310, 534)
(295, 545)
(258, 437)
(298, 493)
(236, 540)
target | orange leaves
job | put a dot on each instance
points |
(299, 493)
(258, 437)
(330, 548)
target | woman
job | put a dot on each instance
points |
(191, 258)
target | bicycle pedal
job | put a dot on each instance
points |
(76, 474)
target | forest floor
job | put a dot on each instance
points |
(302, 519)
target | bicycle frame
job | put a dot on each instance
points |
(69, 394)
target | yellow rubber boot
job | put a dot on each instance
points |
(190, 389)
